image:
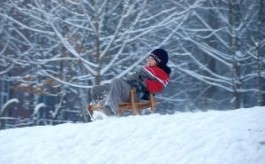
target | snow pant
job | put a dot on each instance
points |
(112, 94)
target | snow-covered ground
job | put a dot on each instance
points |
(213, 137)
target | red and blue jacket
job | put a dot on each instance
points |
(153, 78)
(158, 79)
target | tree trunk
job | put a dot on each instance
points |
(259, 52)
(235, 70)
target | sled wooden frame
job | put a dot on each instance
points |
(134, 107)
(137, 107)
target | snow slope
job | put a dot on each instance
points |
(213, 137)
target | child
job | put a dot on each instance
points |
(153, 77)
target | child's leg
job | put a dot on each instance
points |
(99, 92)
(119, 92)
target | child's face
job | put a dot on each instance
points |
(150, 61)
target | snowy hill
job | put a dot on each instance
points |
(213, 137)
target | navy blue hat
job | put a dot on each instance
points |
(160, 56)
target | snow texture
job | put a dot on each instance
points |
(213, 137)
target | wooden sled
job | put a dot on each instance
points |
(134, 107)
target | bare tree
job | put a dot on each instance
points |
(70, 45)
(220, 52)
(56, 50)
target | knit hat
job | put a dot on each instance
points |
(160, 56)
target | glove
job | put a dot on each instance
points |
(137, 85)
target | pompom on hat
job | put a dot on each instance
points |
(160, 56)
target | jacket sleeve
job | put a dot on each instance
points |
(141, 75)
(153, 78)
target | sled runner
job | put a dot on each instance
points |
(134, 107)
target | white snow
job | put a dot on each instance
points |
(37, 108)
(213, 137)
(11, 101)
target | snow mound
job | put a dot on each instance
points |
(213, 137)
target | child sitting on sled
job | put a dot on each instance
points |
(151, 78)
